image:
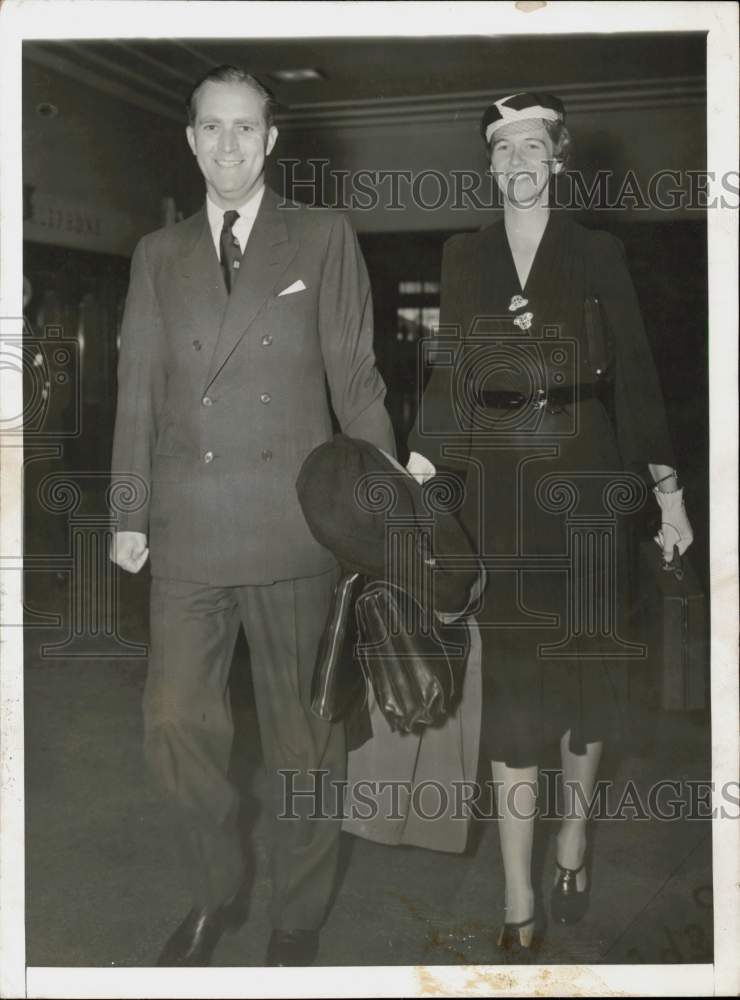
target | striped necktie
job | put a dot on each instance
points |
(231, 254)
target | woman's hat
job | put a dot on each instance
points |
(360, 503)
(520, 107)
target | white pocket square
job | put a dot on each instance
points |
(297, 286)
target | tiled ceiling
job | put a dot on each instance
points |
(157, 75)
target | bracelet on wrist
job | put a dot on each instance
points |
(671, 475)
(666, 493)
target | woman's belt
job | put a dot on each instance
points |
(562, 395)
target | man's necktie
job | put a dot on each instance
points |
(231, 254)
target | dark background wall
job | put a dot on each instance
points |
(95, 174)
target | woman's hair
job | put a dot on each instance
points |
(561, 141)
(559, 136)
(233, 74)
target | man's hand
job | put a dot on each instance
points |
(128, 550)
(420, 468)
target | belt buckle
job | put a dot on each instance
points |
(540, 400)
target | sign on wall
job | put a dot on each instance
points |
(49, 218)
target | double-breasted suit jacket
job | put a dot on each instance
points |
(221, 397)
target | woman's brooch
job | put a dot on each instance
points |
(517, 302)
(524, 321)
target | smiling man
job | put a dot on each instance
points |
(230, 138)
(236, 321)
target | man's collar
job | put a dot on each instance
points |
(248, 209)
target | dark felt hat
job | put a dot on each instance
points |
(377, 520)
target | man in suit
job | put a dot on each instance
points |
(236, 321)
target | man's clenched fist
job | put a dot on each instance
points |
(128, 550)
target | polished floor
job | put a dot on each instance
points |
(104, 887)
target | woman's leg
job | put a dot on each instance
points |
(579, 777)
(516, 790)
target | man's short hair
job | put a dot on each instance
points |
(233, 74)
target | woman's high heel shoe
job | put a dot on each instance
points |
(567, 904)
(515, 950)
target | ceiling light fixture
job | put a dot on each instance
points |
(296, 75)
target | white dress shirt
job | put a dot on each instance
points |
(243, 225)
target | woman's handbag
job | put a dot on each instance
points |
(674, 619)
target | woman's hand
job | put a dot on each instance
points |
(675, 528)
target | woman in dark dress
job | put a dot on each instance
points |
(536, 312)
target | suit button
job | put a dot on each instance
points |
(265, 397)
(266, 455)
(197, 345)
(207, 401)
(267, 340)
(208, 457)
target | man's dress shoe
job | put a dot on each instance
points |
(195, 940)
(296, 948)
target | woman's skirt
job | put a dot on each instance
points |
(547, 513)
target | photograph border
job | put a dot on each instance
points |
(85, 19)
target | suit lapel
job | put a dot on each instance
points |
(269, 251)
(204, 289)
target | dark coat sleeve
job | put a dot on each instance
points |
(141, 390)
(346, 330)
(642, 427)
(443, 417)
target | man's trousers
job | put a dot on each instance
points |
(188, 734)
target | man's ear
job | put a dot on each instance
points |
(270, 139)
(191, 138)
